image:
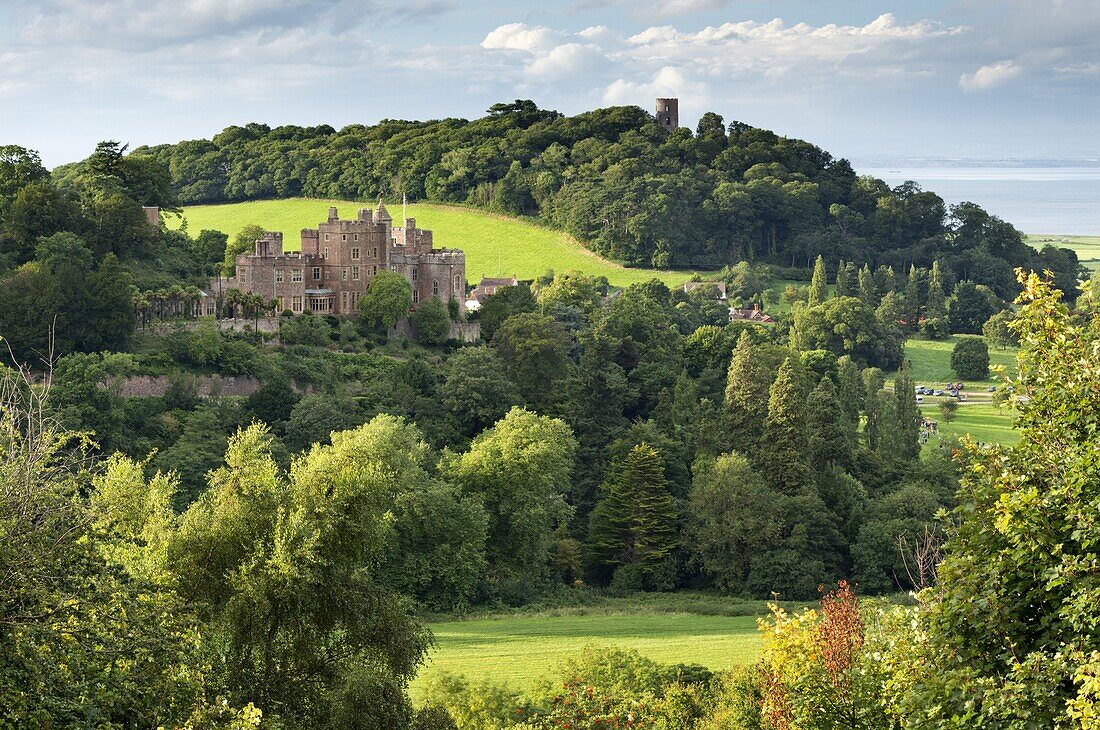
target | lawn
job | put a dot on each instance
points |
(493, 244)
(1087, 247)
(930, 362)
(516, 650)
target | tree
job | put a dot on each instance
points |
(901, 435)
(208, 249)
(287, 572)
(970, 358)
(535, 352)
(634, 522)
(949, 408)
(997, 330)
(243, 242)
(387, 299)
(782, 456)
(830, 436)
(1016, 570)
(503, 304)
(315, 417)
(432, 322)
(936, 305)
(751, 373)
(520, 470)
(199, 448)
(476, 392)
(868, 290)
(970, 307)
(847, 326)
(819, 284)
(731, 518)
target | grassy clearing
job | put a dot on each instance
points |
(930, 362)
(493, 244)
(1087, 247)
(518, 650)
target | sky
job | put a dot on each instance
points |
(870, 81)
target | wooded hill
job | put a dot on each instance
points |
(615, 180)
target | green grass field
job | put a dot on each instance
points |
(930, 362)
(517, 650)
(493, 244)
(1087, 247)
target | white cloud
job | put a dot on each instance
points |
(668, 81)
(564, 60)
(990, 76)
(521, 37)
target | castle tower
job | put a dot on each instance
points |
(668, 114)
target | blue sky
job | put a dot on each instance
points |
(958, 78)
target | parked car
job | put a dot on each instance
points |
(920, 399)
(937, 392)
(991, 389)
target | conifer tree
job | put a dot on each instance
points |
(901, 436)
(937, 301)
(782, 454)
(842, 279)
(829, 445)
(634, 523)
(873, 380)
(868, 290)
(849, 391)
(819, 284)
(912, 298)
(747, 383)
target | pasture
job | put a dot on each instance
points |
(517, 650)
(930, 364)
(494, 244)
(1087, 247)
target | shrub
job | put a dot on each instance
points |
(949, 409)
(970, 358)
(432, 322)
(936, 328)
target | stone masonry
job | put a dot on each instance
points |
(338, 260)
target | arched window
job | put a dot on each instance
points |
(435, 287)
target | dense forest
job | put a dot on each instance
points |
(196, 559)
(616, 181)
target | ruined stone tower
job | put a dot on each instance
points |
(668, 114)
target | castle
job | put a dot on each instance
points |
(338, 260)
(668, 114)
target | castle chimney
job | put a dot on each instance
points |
(364, 215)
(332, 216)
(668, 113)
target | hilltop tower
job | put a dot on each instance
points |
(668, 114)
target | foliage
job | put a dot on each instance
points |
(1006, 638)
(388, 298)
(997, 330)
(847, 326)
(432, 322)
(970, 358)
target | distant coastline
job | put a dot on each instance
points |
(1056, 200)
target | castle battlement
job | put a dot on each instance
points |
(339, 259)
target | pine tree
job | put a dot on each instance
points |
(868, 290)
(747, 383)
(912, 298)
(634, 523)
(937, 302)
(849, 391)
(902, 433)
(873, 380)
(843, 283)
(782, 453)
(829, 444)
(819, 284)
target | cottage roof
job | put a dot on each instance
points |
(487, 281)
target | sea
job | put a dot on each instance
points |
(1054, 200)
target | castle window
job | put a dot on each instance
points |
(355, 254)
(457, 283)
(355, 273)
(416, 297)
(279, 276)
(326, 236)
(435, 288)
(415, 274)
(345, 237)
(355, 237)
(343, 301)
(296, 304)
(316, 273)
(344, 274)
(374, 254)
(295, 275)
(326, 252)
(282, 304)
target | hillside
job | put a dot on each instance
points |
(494, 244)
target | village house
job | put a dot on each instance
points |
(338, 260)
